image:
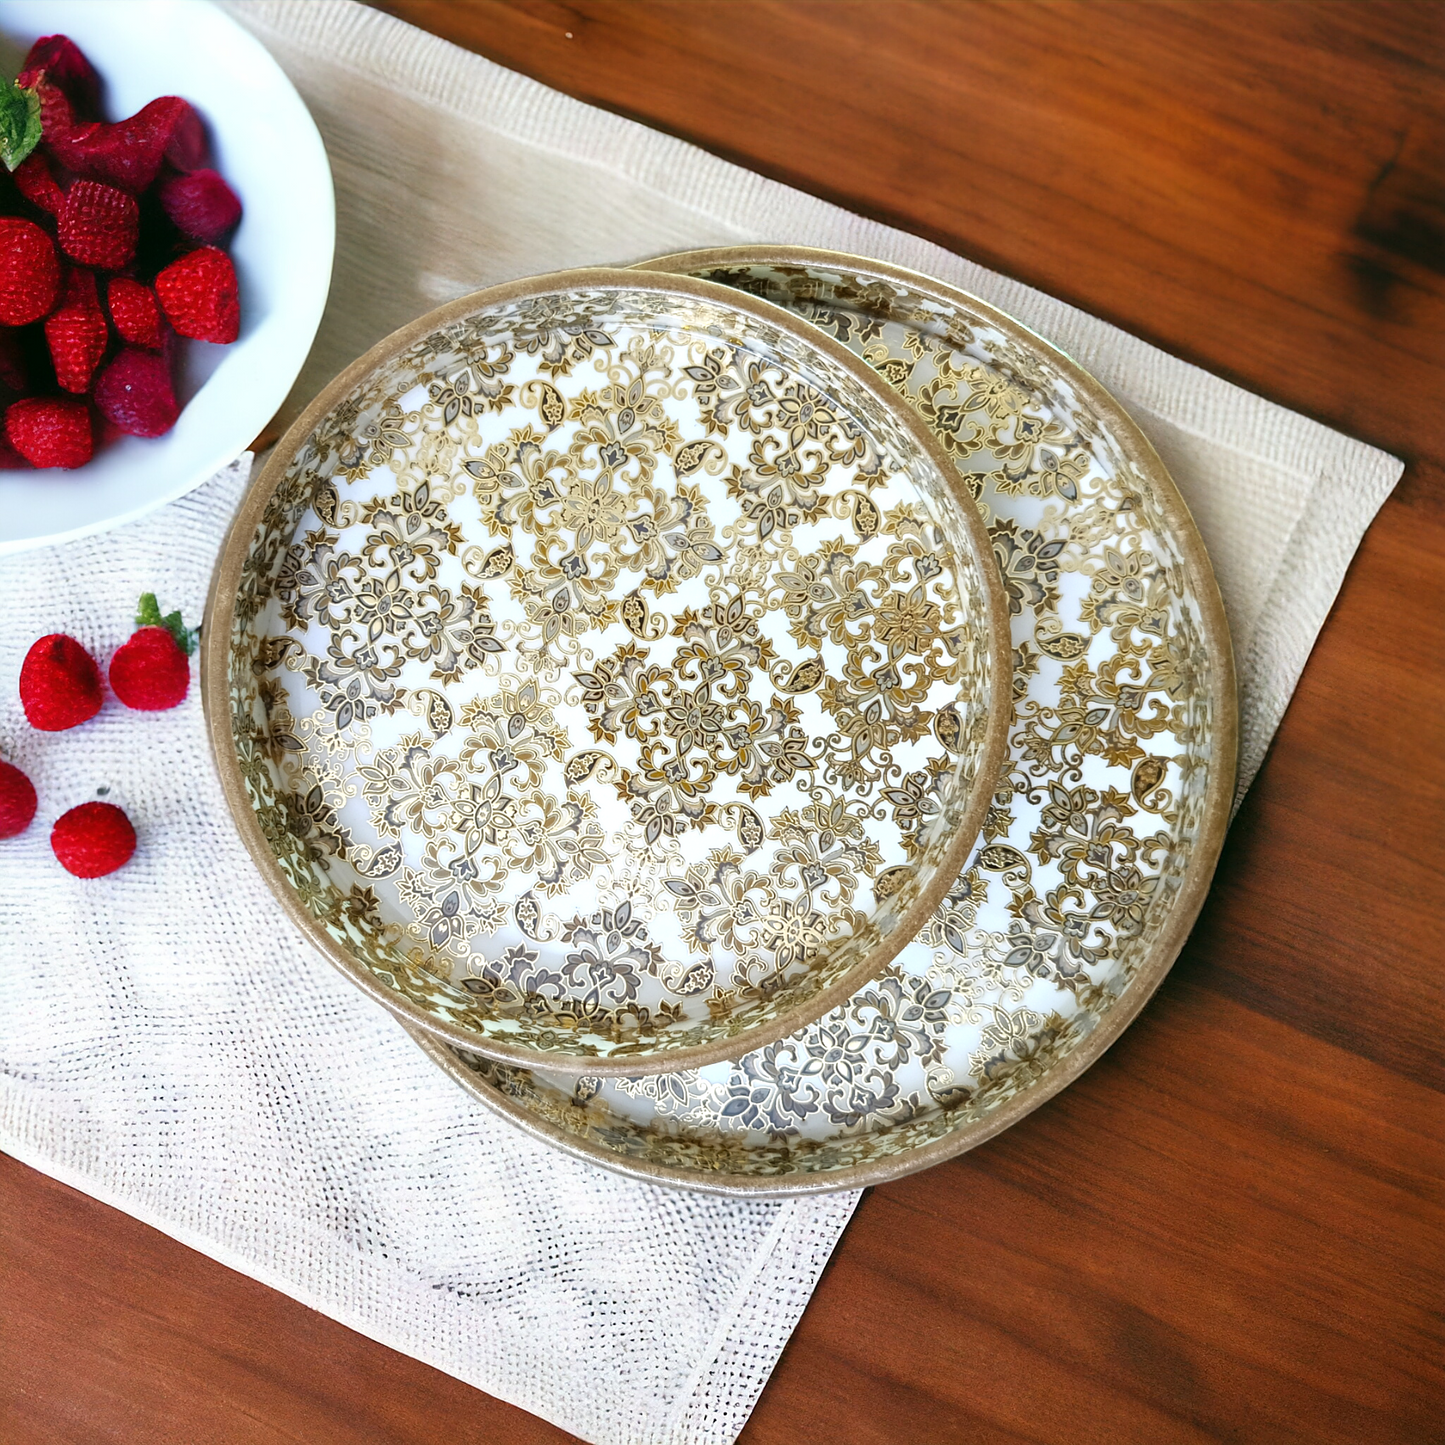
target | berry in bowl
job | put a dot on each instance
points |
(166, 233)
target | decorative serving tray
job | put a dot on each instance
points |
(608, 671)
(1098, 845)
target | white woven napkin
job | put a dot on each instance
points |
(170, 1045)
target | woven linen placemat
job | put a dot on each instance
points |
(170, 1045)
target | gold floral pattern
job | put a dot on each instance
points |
(611, 672)
(1096, 820)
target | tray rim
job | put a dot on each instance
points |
(1214, 822)
(219, 617)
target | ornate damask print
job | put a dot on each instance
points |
(608, 672)
(1092, 824)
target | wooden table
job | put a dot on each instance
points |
(1231, 1228)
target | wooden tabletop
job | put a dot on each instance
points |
(1233, 1227)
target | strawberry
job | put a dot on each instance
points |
(134, 312)
(29, 272)
(50, 431)
(59, 684)
(17, 800)
(98, 225)
(76, 332)
(198, 295)
(58, 60)
(153, 670)
(134, 392)
(201, 204)
(128, 154)
(37, 185)
(93, 840)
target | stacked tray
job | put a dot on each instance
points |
(612, 674)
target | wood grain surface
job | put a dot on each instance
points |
(1233, 1227)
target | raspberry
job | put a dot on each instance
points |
(129, 153)
(37, 185)
(135, 313)
(93, 840)
(98, 225)
(59, 684)
(150, 672)
(77, 333)
(135, 393)
(50, 431)
(17, 800)
(198, 295)
(201, 205)
(60, 61)
(29, 272)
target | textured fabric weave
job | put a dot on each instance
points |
(169, 1044)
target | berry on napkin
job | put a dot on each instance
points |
(153, 670)
(198, 295)
(50, 431)
(17, 800)
(93, 840)
(59, 684)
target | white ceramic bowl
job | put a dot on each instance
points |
(265, 143)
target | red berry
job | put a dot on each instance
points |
(201, 204)
(60, 60)
(50, 431)
(150, 672)
(57, 116)
(17, 800)
(135, 312)
(59, 684)
(128, 154)
(135, 393)
(29, 272)
(93, 840)
(37, 185)
(198, 295)
(98, 225)
(77, 333)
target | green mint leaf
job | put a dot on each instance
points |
(19, 123)
(148, 611)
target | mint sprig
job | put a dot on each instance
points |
(19, 122)
(148, 614)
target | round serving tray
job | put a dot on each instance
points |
(607, 672)
(1099, 843)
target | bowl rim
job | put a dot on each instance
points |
(220, 613)
(1214, 821)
